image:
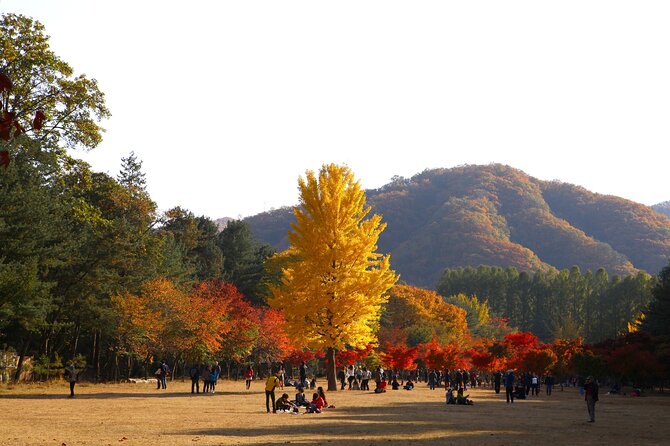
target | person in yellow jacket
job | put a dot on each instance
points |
(270, 385)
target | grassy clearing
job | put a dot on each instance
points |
(138, 414)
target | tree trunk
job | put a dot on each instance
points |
(76, 341)
(330, 369)
(24, 351)
(95, 344)
(116, 367)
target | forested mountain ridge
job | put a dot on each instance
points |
(498, 215)
(663, 208)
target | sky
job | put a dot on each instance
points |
(228, 103)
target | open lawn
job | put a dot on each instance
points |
(138, 414)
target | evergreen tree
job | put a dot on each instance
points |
(657, 317)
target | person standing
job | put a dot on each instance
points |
(194, 373)
(158, 374)
(342, 376)
(281, 376)
(303, 374)
(497, 379)
(432, 377)
(549, 383)
(509, 386)
(534, 385)
(249, 376)
(351, 374)
(73, 377)
(591, 396)
(204, 374)
(164, 372)
(270, 385)
(365, 378)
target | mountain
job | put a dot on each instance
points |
(663, 208)
(221, 223)
(498, 215)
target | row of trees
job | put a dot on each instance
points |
(71, 239)
(556, 304)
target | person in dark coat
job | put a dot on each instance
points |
(497, 379)
(591, 397)
(509, 386)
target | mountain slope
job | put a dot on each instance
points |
(497, 215)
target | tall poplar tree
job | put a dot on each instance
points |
(333, 283)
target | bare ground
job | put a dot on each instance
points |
(137, 414)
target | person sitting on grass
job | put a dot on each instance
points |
(451, 399)
(322, 394)
(317, 404)
(301, 398)
(409, 385)
(460, 399)
(382, 387)
(395, 385)
(283, 403)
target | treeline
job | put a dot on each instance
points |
(554, 304)
(72, 240)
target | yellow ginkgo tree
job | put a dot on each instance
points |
(333, 283)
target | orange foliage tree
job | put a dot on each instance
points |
(272, 344)
(415, 315)
(400, 357)
(439, 357)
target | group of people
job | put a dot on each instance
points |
(527, 384)
(285, 404)
(208, 373)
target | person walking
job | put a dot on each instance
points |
(270, 385)
(509, 386)
(73, 377)
(591, 397)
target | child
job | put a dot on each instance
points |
(300, 398)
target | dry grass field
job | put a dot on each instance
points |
(137, 414)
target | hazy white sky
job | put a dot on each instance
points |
(228, 103)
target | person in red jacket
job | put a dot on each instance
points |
(249, 376)
(317, 404)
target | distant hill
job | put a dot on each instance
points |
(498, 215)
(663, 208)
(221, 223)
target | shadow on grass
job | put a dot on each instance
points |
(113, 395)
(375, 425)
